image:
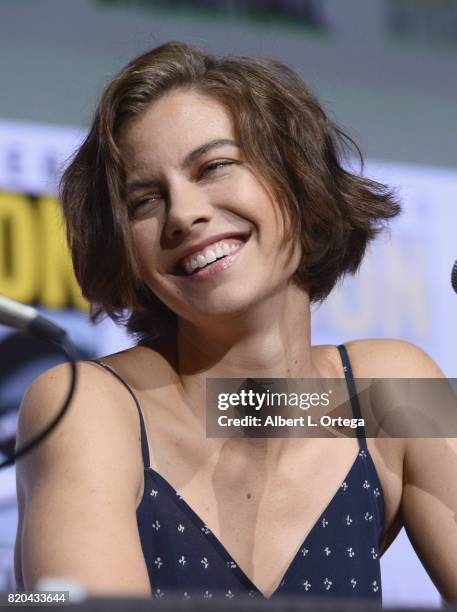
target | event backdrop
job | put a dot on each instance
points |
(402, 290)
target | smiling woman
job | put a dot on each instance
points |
(269, 117)
(210, 203)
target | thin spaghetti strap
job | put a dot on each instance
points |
(144, 438)
(352, 393)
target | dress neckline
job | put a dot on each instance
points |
(362, 455)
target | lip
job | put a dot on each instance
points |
(204, 243)
(215, 268)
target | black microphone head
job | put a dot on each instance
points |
(454, 276)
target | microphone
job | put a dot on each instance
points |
(21, 316)
(454, 276)
(26, 318)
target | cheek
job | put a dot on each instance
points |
(147, 241)
(266, 211)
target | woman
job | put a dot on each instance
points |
(209, 203)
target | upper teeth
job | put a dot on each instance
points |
(215, 251)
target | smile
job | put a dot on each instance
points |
(212, 260)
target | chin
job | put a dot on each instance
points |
(215, 307)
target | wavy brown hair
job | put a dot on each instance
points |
(283, 132)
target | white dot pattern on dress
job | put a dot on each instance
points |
(347, 559)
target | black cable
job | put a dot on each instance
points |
(65, 345)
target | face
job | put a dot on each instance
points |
(207, 229)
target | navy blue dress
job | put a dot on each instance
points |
(338, 558)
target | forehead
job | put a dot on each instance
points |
(170, 127)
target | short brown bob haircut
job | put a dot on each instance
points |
(283, 133)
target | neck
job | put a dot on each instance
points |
(272, 341)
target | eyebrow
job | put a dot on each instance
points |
(187, 161)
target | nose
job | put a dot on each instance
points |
(187, 206)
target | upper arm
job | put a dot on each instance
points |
(428, 469)
(429, 497)
(79, 486)
(429, 508)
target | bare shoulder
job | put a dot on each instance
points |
(78, 489)
(390, 358)
(142, 366)
(98, 423)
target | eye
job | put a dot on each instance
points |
(217, 165)
(139, 203)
